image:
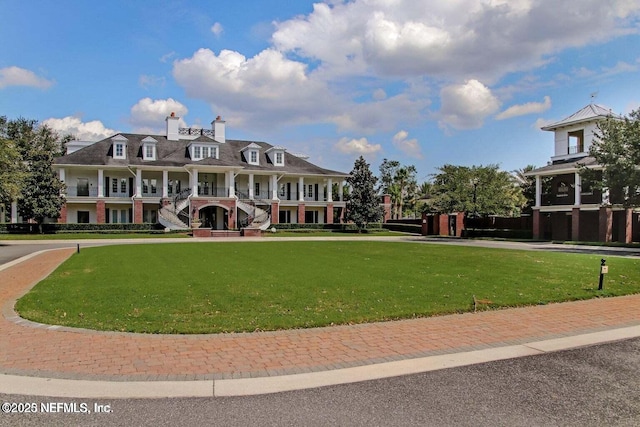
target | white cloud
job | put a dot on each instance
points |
(267, 88)
(167, 56)
(410, 147)
(147, 81)
(461, 39)
(148, 116)
(94, 130)
(465, 106)
(320, 65)
(379, 94)
(16, 76)
(524, 109)
(357, 146)
(540, 123)
(217, 28)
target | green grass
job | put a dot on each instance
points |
(330, 233)
(245, 286)
(84, 236)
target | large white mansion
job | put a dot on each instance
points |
(190, 176)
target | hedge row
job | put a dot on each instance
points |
(313, 230)
(404, 228)
(78, 228)
(336, 227)
(499, 233)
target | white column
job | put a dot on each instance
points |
(139, 183)
(329, 190)
(251, 186)
(165, 184)
(194, 183)
(578, 190)
(232, 184)
(14, 212)
(538, 191)
(274, 187)
(340, 191)
(100, 183)
(301, 189)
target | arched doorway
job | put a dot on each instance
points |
(214, 217)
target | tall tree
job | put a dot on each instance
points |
(476, 190)
(11, 169)
(362, 201)
(527, 185)
(399, 182)
(388, 169)
(41, 192)
(39, 196)
(616, 148)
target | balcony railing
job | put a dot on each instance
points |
(82, 191)
(575, 149)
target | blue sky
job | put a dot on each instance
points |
(426, 83)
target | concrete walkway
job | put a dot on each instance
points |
(57, 361)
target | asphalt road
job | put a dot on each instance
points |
(592, 386)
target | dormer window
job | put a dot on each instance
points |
(203, 151)
(119, 147)
(252, 154)
(149, 148)
(276, 155)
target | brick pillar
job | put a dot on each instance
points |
(62, 219)
(628, 225)
(575, 224)
(605, 226)
(537, 225)
(443, 224)
(386, 203)
(425, 225)
(459, 223)
(301, 212)
(329, 217)
(275, 213)
(100, 212)
(137, 211)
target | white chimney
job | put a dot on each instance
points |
(218, 129)
(173, 124)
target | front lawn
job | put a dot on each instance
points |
(248, 286)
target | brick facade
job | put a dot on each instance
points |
(275, 213)
(329, 214)
(605, 224)
(62, 219)
(138, 206)
(100, 212)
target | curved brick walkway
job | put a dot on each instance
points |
(30, 349)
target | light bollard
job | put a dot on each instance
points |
(604, 269)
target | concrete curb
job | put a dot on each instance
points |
(22, 385)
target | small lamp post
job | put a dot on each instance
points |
(604, 269)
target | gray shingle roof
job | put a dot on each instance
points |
(563, 165)
(176, 153)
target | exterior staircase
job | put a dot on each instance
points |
(258, 218)
(171, 215)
